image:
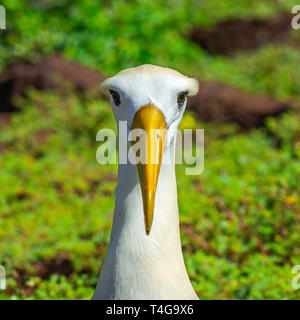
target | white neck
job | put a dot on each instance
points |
(138, 266)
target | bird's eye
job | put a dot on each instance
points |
(181, 98)
(116, 97)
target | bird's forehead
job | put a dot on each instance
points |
(146, 84)
(149, 70)
(150, 80)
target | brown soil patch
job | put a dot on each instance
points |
(58, 265)
(190, 231)
(230, 36)
(222, 103)
(110, 177)
(215, 101)
(51, 73)
(41, 136)
(3, 146)
(4, 119)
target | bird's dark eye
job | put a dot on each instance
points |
(116, 97)
(181, 98)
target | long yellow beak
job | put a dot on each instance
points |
(152, 121)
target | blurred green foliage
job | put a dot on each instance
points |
(112, 35)
(56, 199)
(57, 202)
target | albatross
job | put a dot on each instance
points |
(144, 258)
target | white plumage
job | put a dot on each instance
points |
(137, 265)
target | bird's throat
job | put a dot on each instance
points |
(137, 265)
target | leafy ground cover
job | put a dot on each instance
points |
(240, 217)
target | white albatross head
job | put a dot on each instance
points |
(150, 97)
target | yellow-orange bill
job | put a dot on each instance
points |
(152, 121)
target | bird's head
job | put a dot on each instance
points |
(151, 98)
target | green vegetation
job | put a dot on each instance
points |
(56, 202)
